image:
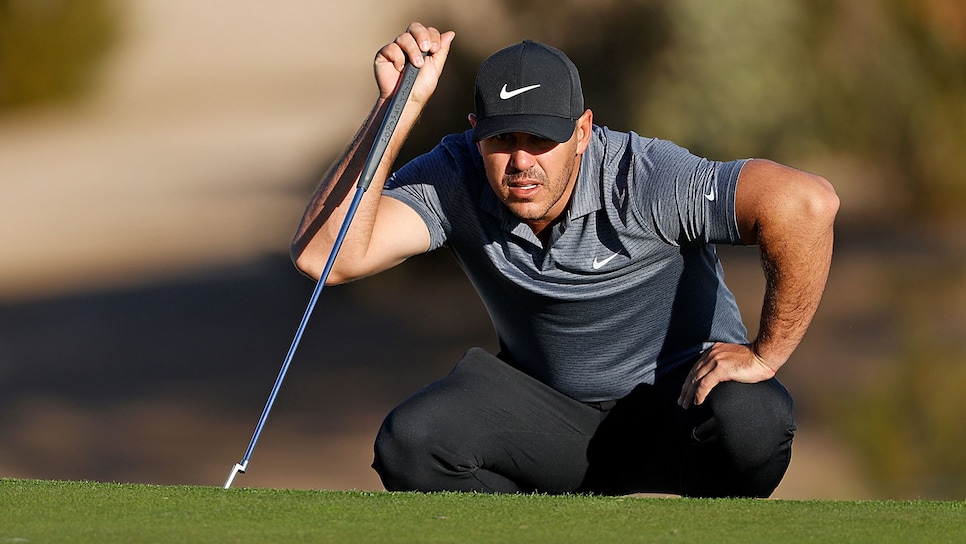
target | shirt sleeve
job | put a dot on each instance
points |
(423, 184)
(687, 199)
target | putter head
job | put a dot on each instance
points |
(238, 468)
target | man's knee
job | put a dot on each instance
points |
(752, 426)
(401, 450)
(752, 420)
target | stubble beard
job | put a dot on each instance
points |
(551, 193)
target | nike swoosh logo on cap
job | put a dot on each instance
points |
(506, 95)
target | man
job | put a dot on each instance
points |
(624, 366)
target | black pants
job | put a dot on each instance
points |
(488, 427)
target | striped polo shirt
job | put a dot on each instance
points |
(628, 286)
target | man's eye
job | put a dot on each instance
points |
(543, 142)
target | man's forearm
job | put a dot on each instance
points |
(335, 186)
(327, 208)
(794, 284)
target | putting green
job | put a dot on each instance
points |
(52, 511)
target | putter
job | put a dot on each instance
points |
(396, 105)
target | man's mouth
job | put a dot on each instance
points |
(522, 189)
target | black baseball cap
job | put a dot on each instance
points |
(528, 87)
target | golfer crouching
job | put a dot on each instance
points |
(624, 365)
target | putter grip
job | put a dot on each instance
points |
(396, 105)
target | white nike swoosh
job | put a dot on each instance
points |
(598, 264)
(506, 95)
(712, 192)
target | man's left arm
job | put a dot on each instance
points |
(789, 214)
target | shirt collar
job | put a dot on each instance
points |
(586, 198)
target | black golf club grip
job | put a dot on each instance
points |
(396, 105)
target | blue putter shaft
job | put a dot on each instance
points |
(386, 129)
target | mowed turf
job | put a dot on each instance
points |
(51, 511)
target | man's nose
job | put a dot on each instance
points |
(521, 159)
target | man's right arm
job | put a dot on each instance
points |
(384, 231)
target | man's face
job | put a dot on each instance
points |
(532, 176)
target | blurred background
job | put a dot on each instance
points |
(155, 157)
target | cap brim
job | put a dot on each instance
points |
(557, 129)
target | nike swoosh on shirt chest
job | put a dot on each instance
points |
(600, 263)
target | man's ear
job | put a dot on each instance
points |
(585, 127)
(472, 119)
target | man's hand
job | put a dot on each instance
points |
(721, 363)
(412, 45)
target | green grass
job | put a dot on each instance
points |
(50, 511)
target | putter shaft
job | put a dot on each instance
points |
(388, 126)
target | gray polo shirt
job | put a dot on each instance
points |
(628, 287)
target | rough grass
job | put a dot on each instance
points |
(51, 511)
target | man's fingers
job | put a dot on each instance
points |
(427, 38)
(702, 388)
(691, 392)
(419, 39)
(412, 45)
(696, 390)
(406, 43)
